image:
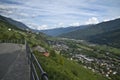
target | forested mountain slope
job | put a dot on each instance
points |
(103, 33)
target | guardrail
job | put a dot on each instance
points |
(35, 66)
(17, 41)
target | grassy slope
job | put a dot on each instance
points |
(59, 68)
(6, 34)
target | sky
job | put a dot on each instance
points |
(47, 14)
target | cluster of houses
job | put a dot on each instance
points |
(58, 45)
(105, 67)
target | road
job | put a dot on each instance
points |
(13, 62)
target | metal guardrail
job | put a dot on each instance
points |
(35, 66)
(17, 41)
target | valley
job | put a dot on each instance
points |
(102, 59)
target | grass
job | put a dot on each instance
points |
(59, 68)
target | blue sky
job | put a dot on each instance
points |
(47, 14)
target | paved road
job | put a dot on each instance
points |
(13, 62)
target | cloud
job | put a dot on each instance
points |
(105, 20)
(24, 14)
(10, 2)
(42, 27)
(38, 27)
(109, 19)
(53, 13)
(32, 25)
(61, 24)
(75, 24)
(92, 20)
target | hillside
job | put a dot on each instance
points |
(96, 32)
(59, 68)
(14, 22)
(58, 31)
(111, 38)
(9, 31)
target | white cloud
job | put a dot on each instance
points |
(109, 19)
(37, 27)
(24, 14)
(92, 20)
(10, 12)
(75, 24)
(42, 27)
(32, 25)
(61, 24)
(106, 20)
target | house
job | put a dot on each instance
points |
(46, 54)
(41, 50)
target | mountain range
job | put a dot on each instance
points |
(63, 30)
(93, 30)
(102, 33)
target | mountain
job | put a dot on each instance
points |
(93, 30)
(58, 31)
(111, 38)
(102, 33)
(18, 24)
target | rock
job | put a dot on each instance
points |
(39, 49)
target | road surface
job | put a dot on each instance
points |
(13, 62)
